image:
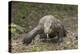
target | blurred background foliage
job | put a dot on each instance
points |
(25, 16)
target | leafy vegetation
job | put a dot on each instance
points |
(26, 14)
(16, 30)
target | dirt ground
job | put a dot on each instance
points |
(69, 42)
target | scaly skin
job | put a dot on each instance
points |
(47, 25)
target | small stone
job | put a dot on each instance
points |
(30, 26)
(68, 42)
